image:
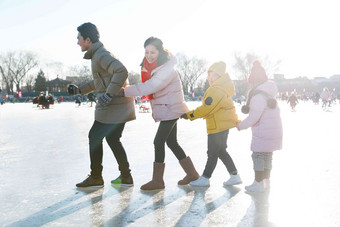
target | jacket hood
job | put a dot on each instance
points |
(94, 47)
(225, 84)
(268, 87)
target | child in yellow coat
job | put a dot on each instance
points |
(219, 111)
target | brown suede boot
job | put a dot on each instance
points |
(157, 181)
(190, 170)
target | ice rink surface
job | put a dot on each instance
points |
(44, 153)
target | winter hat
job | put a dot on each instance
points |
(257, 74)
(218, 67)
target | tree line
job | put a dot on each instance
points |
(16, 72)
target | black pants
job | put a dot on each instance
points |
(112, 133)
(167, 133)
(217, 145)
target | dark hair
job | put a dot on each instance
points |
(89, 30)
(163, 54)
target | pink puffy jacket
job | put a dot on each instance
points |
(265, 122)
(166, 87)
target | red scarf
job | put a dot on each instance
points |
(147, 75)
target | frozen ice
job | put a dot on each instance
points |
(44, 153)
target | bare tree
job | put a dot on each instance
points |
(29, 83)
(190, 69)
(6, 63)
(15, 68)
(270, 66)
(80, 74)
(243, 66)
(134, 78)
(26, 62)
(53, 68)
(202, 86)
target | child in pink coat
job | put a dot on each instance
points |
(265, 122)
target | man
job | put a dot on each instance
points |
(112, 111)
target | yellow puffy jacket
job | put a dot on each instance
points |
(217, 106)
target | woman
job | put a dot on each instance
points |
(162, 86)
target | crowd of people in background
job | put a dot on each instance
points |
(314, 96)
(327, 97)
(45, 102)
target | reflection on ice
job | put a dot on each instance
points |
(257, 212)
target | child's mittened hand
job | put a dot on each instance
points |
(184, 116)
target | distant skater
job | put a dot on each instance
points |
(78, 100)
(91, 98)
(265, 121)
(325, 97)
(292, 100)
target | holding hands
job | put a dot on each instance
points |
(184, 116)
(121, 93)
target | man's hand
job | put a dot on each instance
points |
(73, 89)
(104, 99)
(184, 116)
(121, 93)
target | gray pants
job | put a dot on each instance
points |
(262, 160)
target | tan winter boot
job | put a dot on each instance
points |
(157, 178)
(190, 170)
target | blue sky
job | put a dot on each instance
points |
(303, 34)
